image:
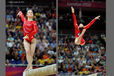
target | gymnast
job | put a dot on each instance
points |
(79, 40)
(29, 29)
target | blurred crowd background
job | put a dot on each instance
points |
(45, 52)
(82, 60)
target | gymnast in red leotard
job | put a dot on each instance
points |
(29, 29)
(79, 34)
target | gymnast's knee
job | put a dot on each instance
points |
(28, 52)
(76, 41)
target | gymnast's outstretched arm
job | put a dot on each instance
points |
(87, 26)
(20, 14)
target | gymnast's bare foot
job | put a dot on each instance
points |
(30, 68)
(27, 68)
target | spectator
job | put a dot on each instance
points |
(81, 60)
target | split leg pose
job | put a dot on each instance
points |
(78, 33)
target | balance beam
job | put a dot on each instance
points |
(43, 71)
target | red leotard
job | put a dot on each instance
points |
(77, 31)
(29, 27)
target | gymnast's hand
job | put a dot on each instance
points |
(72, 9)
(18, 13)
(98, 17)
(26, 37)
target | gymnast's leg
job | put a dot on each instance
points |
(28, 56)
(78, 39)
(32, 50)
